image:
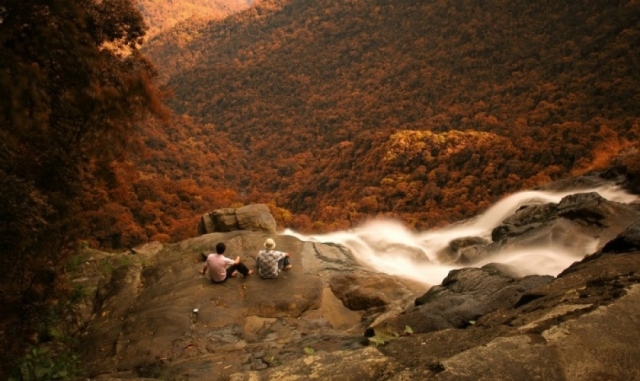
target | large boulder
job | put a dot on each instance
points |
(254, 217)
(464, 296)
(576, 219)
(580, 223)
(361, 290)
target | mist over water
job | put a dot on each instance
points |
(390, 247)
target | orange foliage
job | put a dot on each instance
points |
(356, 114)
(350, 116)
(608, 148)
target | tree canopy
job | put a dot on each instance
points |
(320, 95)
(73, 86)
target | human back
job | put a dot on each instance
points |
(270, 261)
(221, 267)
(217, 264)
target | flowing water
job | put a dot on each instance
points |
(390, 247)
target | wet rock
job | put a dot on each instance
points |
(464, 296)
(572, 328)
(628, 240)
(575, 221)
(524, 219)
(464, 250)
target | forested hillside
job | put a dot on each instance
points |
(163, 15)
(423, 110)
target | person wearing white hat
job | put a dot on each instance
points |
(270, 261)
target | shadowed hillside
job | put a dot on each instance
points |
(426, 110)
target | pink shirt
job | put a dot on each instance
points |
(217, 265)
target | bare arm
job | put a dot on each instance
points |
(237, 260)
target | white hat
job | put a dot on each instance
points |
(269, 244)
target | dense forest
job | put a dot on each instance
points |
(163, 15)
(427, 111)
(333, 113)
(73, 88)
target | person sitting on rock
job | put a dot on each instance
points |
(270, 262)
(220, 267)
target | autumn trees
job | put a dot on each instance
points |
(307, 113)
(332, 86)
(73, 86)
(302, 112)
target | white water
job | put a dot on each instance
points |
(390, 247)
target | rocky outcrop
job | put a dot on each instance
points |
(575, 328)
(464, 296)
(626, 241)
(578, 221)
(580, 214)
(159, 317)
(330, 318)
(255, 217)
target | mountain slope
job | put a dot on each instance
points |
(163, 15)
(351, 109)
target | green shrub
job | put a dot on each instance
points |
(40, 365)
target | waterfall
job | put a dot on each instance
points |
(390, 247)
